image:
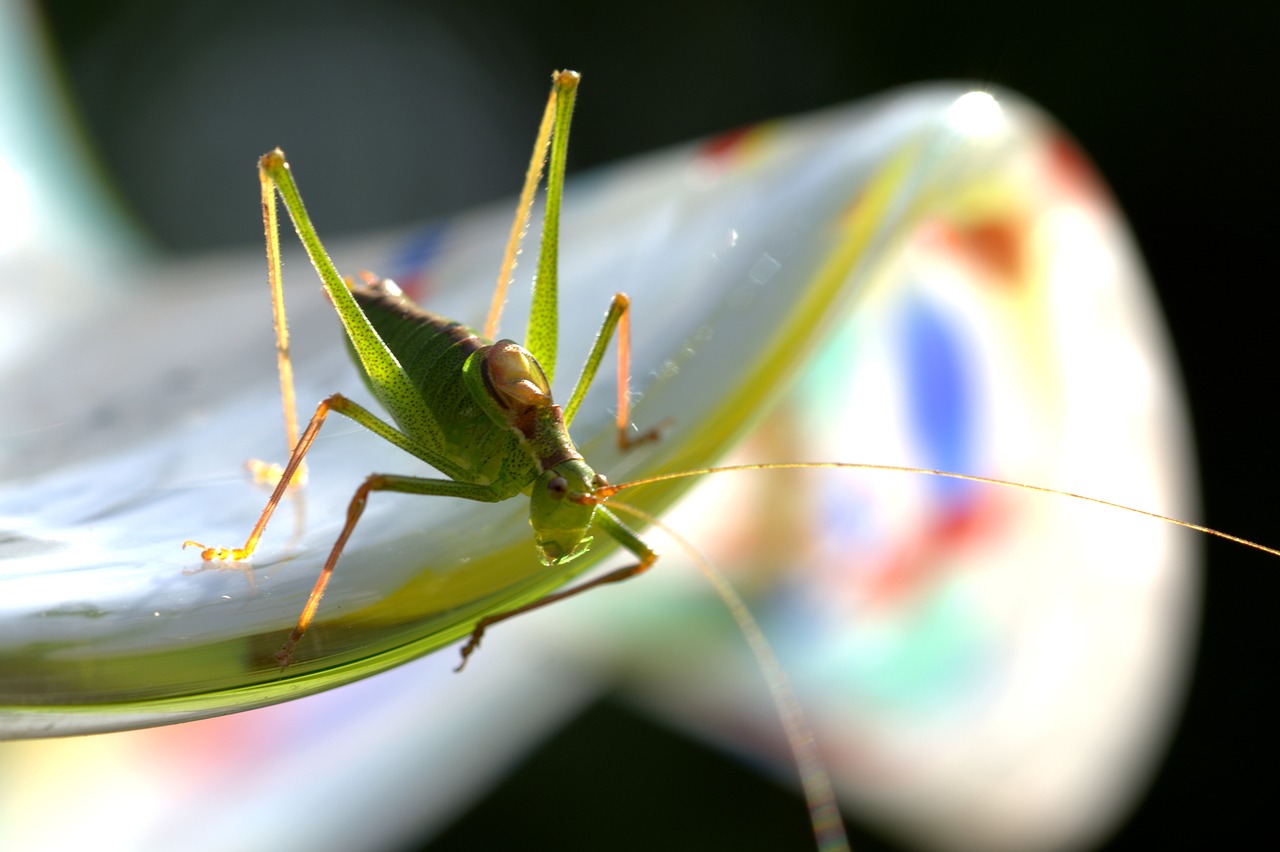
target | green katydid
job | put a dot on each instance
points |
(481, 412)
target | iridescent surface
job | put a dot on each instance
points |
(104, 620)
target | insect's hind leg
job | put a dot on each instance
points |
(262, 471)
(336, 402)
(617, 319)
(521, 221)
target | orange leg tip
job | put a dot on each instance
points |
(208, 554)
(284, 656)
(212, 554)
(626, 442)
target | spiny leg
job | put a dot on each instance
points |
(617, 318)
(209, 554)
(263, 471)
(620, 533)
(376, 482)
(336, 402)
(541, 336)
(520, 224)
(386, 377)
(625, 439)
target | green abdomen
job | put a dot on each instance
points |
(432, 350)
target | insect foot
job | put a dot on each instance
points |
(211, 554)
(284, 656)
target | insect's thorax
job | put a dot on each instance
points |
(508, 383)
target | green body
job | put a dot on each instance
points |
(489, 417)
(479, 412)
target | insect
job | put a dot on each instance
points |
(481, 412)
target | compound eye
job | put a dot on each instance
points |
(598, 481)
(557, 487)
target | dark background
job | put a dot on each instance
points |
(407, 111)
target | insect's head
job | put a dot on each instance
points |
(559, 512)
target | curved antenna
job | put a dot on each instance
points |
(819, 795)
(609, 490)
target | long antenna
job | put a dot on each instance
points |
(819, 795)
(610, 490)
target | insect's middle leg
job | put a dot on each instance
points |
(376, 482)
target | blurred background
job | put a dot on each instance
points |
(434, 102)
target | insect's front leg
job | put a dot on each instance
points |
(616, 530)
